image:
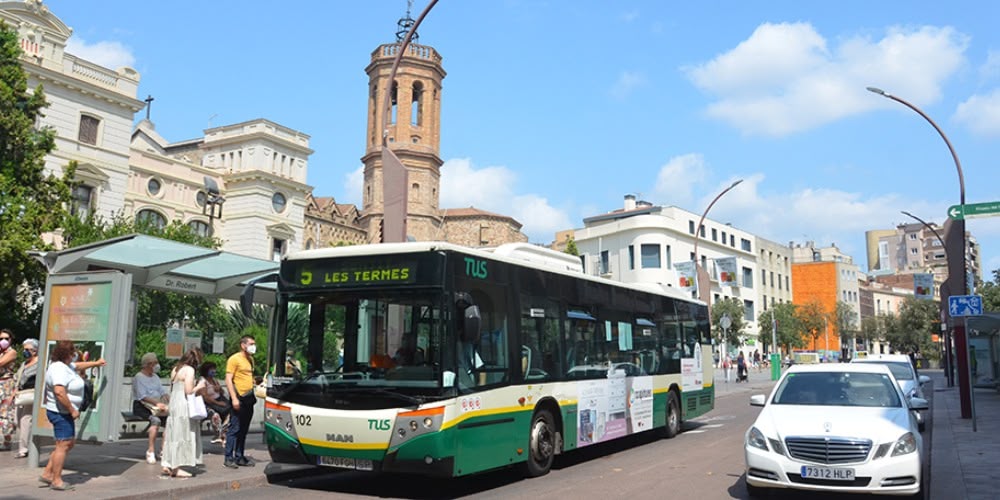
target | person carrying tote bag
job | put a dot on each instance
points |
(182, 444)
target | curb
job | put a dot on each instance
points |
(224, 485)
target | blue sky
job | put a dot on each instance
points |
(553, 110)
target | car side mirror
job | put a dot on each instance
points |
(757, 400)
(923, 379)
(918, 404)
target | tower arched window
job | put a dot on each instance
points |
(395, 103)
(416, 106)
(415, 191)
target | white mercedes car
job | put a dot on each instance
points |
(905, 374)
(837, 427)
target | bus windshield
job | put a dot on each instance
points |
(377, 346)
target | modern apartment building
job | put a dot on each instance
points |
(825, 275)
(641, 242)
(916, 248)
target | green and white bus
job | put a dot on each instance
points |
(436, 359)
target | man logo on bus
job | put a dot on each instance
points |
(340, 438)
(475, 268)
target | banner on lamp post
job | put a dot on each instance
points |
(687, 276)
(923, 286)
(727, 271)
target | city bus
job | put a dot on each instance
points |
(441, 360)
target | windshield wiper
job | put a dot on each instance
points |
(386, 392)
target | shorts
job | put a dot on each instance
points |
(142, 411)
(62, 425)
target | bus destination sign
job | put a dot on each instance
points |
(351, 273)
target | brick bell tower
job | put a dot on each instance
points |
(413, 134)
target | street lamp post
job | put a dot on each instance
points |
(956, 266)
(948, 371)
(703, 282)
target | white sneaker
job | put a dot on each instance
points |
(150, 457)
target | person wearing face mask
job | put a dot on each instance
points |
(215, 400)
(8, 388)
(240, 384)
(24, 402)
(149, 400)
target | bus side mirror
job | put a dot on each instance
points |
(246, 297)
(471, 321)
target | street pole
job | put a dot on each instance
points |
(702, 279)
(948, 372)
(955, 263)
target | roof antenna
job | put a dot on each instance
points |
(404, 25)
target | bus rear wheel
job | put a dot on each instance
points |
(541, 444)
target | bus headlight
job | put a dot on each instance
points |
(280, 416)
(411, 424)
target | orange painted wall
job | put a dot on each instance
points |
(817, 281)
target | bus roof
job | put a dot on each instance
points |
(522, 254)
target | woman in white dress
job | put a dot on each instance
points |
(182, 446)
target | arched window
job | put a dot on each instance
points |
(151, 218)
(416, 106)
(395, 103)
(415, 191)
(200, 228)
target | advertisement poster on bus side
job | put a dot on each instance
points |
(691, 378)
(686, 275)
(640, 404)
(602, 411)
(727, 271)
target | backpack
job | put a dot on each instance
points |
(88, 395)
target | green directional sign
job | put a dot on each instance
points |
(970, 210)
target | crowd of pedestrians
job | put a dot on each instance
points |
(229, 404)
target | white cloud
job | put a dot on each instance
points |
(990, 69)
(630, 15)
(627, 82)
(111, 55)
(492, 189)
(677, 179)
(785, 78)
(354, 185)
(981, 113)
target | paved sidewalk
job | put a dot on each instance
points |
(963, 462)
(119, 471)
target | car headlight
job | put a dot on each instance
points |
(756, 439)
(904, 445)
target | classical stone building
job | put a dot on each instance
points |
(245, 183)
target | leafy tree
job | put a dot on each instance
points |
(871, 331)
(812, 321)
(917, 321)
(990, 290)
(734, 308)
(571, 247)
(787, 328)
(31, 202)
(845, 321)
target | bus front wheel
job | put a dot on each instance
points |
(541, 444)
(673, 426)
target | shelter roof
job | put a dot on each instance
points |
(167, 265)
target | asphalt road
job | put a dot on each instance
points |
(704, 462)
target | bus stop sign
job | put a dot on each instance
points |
(965, 305)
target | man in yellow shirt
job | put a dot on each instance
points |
(239, 383)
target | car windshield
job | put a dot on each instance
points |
(838, 389)
(900, 369)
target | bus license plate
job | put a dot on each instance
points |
(346, 463)
(829, 473)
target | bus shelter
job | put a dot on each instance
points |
(88, 300)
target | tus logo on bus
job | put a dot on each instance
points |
(475, 268)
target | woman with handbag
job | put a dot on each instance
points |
(182, 442)
(24, 401)
(8, 388)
